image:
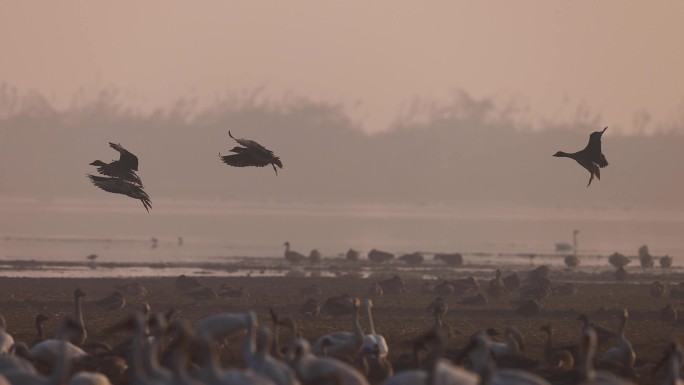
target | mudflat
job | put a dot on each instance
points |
(398, 317)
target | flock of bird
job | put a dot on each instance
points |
(163, 348)
(120, 176)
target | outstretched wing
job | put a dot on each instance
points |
(117, 172)
(251, 145)
(118, 186)
(243, 159)
(126, 159)
(593, 149)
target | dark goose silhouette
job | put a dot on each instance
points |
(124, 168)
(591, 157)
(251, 154)
(120, 186)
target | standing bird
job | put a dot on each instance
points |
(591, 157)
(120, 186)
(124, 168)
(251, 154)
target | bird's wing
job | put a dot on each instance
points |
(125, 174)
(119, 186)
(112, 185)
(251, 144)
(593, 149)
(244, 159)
(127, 159)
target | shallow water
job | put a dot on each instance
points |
(212, 231)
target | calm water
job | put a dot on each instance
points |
(121, 231)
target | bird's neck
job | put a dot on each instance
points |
(78, 313)
(371, 325)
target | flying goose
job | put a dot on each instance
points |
(251, 154)
(591, 157)
(123, 169)
(120, 186)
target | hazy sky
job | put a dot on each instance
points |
(620, 58)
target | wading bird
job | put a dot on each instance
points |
(591, 157)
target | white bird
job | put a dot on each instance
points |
(89, 378)
(342, 345)
(257, 357)
(75, 332)
(15, 361)
(514, 343)
(219, 326)
(60, 368)
(137, 364)
(372, 339)
(480, 356)
(6, 339)
(323, 370)
(49, 351)
(623, 352)
(150, 347)
(589, 375)
(211, 373)
(439, 371)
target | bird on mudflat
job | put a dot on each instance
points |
(120, 186)
(251, 154)
(591, 157)
(124, 168)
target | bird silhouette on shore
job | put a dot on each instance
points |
(591, 157)
(251, 154)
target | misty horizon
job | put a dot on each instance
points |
(468, 152)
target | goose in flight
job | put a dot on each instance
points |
(251, 154)
(591, 157)
(124, 168)
(120, 186)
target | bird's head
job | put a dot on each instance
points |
(560, 154)
(98, 163)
